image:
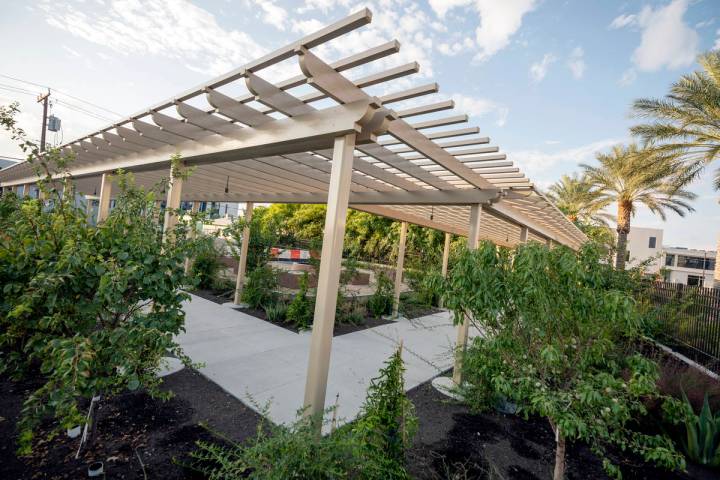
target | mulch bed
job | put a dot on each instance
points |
(213, 296)
(340, 328)
(160, 432)
(452, 442)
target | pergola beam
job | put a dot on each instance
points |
(397, 197)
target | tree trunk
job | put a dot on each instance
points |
(559, 472)
(623, 228)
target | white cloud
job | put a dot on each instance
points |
(71, 51)
(576, 62)
(177, 30)
(538, 70)
(535, 161)
(666, 40)
(705, 23)
(498, 22)
(623, 21)
(628, 77)
(307, 27)
(454, 48)
(717, 41)
(441, 7)
(272, 14)
(480, 107)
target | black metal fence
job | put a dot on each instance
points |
(690, 319)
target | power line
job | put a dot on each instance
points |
(82, 110)
(15, 89)
(60, 92)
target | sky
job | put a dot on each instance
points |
(550, 81)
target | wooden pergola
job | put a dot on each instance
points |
(320, 137)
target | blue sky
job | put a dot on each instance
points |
(549, 81)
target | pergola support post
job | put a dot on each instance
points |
(399, 269)
(172, 203)
(242, 264)
(329, 276)
(105, 193)
(523, 234)
(464, 328)
(445, 260)
(192, 234)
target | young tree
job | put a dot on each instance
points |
(93, 308)
(558, 341)
(631, 176)
(686, 123)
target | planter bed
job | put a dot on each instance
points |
(340, 328)
(160, 431)
(452, 442)
(213, 295)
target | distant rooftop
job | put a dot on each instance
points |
(7, 161)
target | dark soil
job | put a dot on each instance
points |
(416, 311)
(452, 442)
(340, 328)
(160, 432)
(215, 296)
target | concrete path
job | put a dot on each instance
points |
(264, 365)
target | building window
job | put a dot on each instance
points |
(694, 281)
(652, 241)
(697, 263)
(669, 260)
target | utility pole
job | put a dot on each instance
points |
(43, 98)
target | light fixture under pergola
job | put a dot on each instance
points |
(320, 137)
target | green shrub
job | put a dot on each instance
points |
(276, 312)
(259, 290)
(371, 449)
(560, 342)
(206, 265)
(381, 302)
(300, 311)
(425, 285)
(75, 297)
(387, 421)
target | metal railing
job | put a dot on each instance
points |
(690, 318)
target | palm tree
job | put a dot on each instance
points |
(687, 121)
(579, 200)
(631, 176)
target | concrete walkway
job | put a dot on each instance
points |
(264, 365)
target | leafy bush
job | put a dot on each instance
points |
(276, 312)
(387, 420)
(381, 302)
(259, 290)
(424, 283)
(263, 236)
(372, 449)
(560, 343)
(300, 311)
(701, 442)
(95, 307)
(349, 310)
(206, 264)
